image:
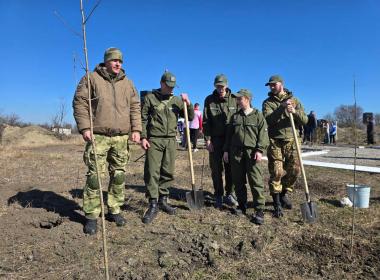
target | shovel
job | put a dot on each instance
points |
(195, 198)
(309, 209)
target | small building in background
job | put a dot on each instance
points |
(61, 130)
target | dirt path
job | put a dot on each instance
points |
(42, 238)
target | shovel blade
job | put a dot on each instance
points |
(195, 199)
(309, 212)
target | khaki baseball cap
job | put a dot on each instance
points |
(169, 79)
(220, 80)
(244, 92)
(274, 79)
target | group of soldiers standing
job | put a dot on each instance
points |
(236, 136)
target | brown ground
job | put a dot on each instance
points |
(42, 238)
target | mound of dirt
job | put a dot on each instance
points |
(28, 136)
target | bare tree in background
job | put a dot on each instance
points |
(57, 119)
(345, 115)
(329, 117)
(377, 119)
(11, 119)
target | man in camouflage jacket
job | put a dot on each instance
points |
(282, 153)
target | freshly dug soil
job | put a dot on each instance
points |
(42, 233)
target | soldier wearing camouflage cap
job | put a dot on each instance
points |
(282, 153)
(217, 111)
(246, 140)
(116, 118)
(160, 113)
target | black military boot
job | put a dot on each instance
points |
(117, 219)
(285, 201)
(258, 219)
(240, 210)
(91, 226)
(152, 211)
(164, 206)
(277, 206)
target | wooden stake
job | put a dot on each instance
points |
(354, 190)
(93, 142)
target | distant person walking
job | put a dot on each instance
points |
(195, 127)
(181, 131)
(218, 109)
(333, 131)
(282, 153)
(371, 131)
(160, 114)
(311, 127)
(326, 130)
(116, 118)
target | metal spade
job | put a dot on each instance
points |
(195, 198)
(309, 209)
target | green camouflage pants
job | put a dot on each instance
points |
(217, 165)
(115, 151)
(243, 165)
(159, 166)
(283, 165)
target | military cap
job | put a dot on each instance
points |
(169, 79)
(113, 53)
(220, 80)
(244, 92)
(274, 79)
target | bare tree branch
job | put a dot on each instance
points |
(66, 24)
(93, 9)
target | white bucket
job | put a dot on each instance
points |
(362, 194)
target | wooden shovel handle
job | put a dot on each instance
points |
(189, 144)
(300, 157)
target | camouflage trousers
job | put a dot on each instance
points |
(283, 165)
(114, 151)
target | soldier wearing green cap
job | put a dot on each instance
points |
(282, 153)
(116, 118)
(246, 140)
(218, 109)
(160, 114)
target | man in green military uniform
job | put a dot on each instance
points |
(282, 153)
(159, 115)
(116, 117)
(218, 109)
(246, 140)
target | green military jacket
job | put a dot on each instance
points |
(217, 113)
(159, 114)
(115, 103)
(247, 131)
(277, 118)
